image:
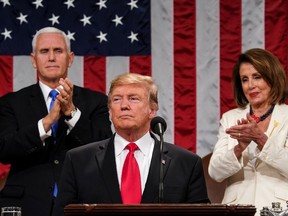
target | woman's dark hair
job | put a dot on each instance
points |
(270, 68)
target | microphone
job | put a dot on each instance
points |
(158, 125)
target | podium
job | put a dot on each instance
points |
(159, 209)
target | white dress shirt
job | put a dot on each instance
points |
(143, 155)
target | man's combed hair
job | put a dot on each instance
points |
(134, 78)
(51, 30)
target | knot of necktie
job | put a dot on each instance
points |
(53, 94)
(132, 147)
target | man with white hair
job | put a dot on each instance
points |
(39, 123)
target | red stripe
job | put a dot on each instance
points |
(95, 73)
(230, 48)
(185, 74)
(6, 85)
(6, 75)
(141, 65)
(276, 29)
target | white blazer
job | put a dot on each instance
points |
(258, 179)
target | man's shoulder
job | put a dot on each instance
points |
(88, 92)
(28, 90)
(91, 147)
(180, 151)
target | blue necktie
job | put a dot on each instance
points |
(53, 94)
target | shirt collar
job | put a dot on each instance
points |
(45, 90)
(144, 143)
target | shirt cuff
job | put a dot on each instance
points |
(43, 135)
(72, 122)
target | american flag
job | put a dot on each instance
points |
(98, 28)
(188, 46)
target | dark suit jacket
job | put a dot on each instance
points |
(89, 176)
(34, 167)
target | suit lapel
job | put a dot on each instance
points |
(151, 191)
(107, 166)
(76, 98)
(277, 121)
(62, 126)
(37, 102)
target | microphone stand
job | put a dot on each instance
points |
(158, 126)
(162, 162)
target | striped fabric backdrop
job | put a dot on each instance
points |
(195, 44)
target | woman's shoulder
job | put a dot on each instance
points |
(283, 107)
(237, 112)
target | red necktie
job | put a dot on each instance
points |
(130, 181)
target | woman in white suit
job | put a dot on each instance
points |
(252, 149)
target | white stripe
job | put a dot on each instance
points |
(115, 66)
(253, 24)
(76, 71)
(162, 60)
(208, 74)
(24, 73)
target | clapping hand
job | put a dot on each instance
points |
(65, 96)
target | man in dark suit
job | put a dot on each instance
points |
(95, 173)
(36, 154)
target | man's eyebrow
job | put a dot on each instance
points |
(55, 48)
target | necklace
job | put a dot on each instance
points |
(264, 116)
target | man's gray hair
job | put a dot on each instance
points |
(51, 30)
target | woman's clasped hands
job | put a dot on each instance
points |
(245, 131)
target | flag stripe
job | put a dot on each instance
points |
(252, 24)
(230, 48)
(95, 73)
(276, 29)
(194, 45)
(6, 74)
(141, 65)
(208, 78)
(162, 60)
(23, 78)
(115, 66)
(185, 74)
(76, 71)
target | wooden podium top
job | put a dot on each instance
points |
(159, 209)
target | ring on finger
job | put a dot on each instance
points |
(239, 135)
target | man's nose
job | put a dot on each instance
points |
(51, 56)
(125, 104)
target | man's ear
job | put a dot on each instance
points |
(152, 113)
(32, 57)
(71, 59)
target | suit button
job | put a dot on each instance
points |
(56, 162)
